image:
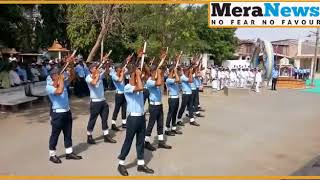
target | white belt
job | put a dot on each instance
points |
(193, 88)
(97, 100)
(61, 110)
(174, 97)
(185, 92)
(155, 103)
(119, 92)
(135, 114)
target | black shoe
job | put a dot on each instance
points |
(163, 145)
(73, 156)
(176, 132)
(145, 169)
(180, 123)
(90, 140)
(199, 115)
(202, 110)
(194, 123)
(169, 133)
(114, 127)
(124, 126)
(108, 139)
(123, 170)
(148, 146)
(55, 159)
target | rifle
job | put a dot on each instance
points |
(178, 59)
(151, 62)
(69, 59)
(163, 58)
(104, 60)
(144, 51)
(128, 60)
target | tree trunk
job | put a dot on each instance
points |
(97, 45)
(104, 30)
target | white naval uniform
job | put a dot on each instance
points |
(220, 76)
(258, 80)
(246, 76)
(233, 79)
(251, 78)
(214, 76)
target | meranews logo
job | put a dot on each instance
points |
(264, 14)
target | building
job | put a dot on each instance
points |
(245, 49)
(300, 53)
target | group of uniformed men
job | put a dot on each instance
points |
(240, 77)
(130, 97)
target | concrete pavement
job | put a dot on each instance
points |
(271, 133)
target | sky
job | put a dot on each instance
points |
(272, 34)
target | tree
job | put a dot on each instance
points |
(221, 43)
(52, 25)
(16, 30)
(87, 20)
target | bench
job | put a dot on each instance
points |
(13, 97)
(36, 89)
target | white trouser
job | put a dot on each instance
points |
(219, 84)
(214, 84)
(242, 82)
(257, 86)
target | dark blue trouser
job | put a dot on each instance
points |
(96, 109)
(186, 102)
(136, 125)
(156, 115)
(172, 112)
(61, 122)
(120, 102)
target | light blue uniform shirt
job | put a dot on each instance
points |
(185, 85)
(134, 100)
(173, 87)
(119, 85)
(155, 92)
(23, 73)
(44, 71)
(197, 82)
(57, 101)
(193, 84)
(80, 71)
(97, 91)
(275, 73)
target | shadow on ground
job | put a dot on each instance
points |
(312, 168)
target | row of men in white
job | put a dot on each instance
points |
(241, 78)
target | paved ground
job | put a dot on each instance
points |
(271, 133)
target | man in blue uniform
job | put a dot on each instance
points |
(186, 81)
(61, 117)
(98, 105)
(172, 83)
(275, 75)
(136, 125)
(155, 108)
(120, 100)
(81, 88)
(197, 83)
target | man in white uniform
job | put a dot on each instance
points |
(258, 80)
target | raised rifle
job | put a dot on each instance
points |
(104, 59)
(178, 60)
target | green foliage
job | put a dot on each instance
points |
(15, 30)
(53, 25)
(175, 26)
(82, 32)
